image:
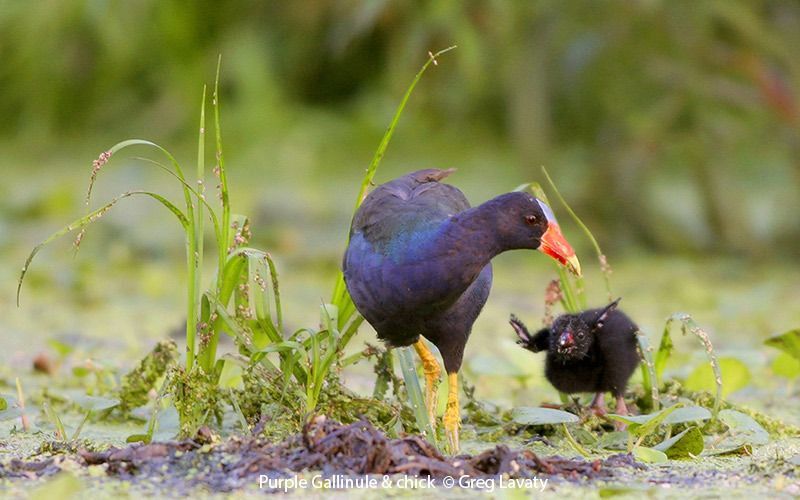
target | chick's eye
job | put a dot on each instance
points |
(531, 219)
(580, 335)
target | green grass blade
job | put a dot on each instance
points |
(573, 443)
(572, 297)
(276, 291)
(200, 197)
(220, 172)
(92, 217)
(340, 290)
(600, 256)
(61, 433)
(199, 229)
(231, 276)
(688, 325)
(126, 144)
(649, 374)
(79, 429)
(192, 235)
(414, 391)
(665, 349)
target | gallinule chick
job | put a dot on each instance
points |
(418, 265)
(594, 351)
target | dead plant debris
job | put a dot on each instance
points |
(322, 445)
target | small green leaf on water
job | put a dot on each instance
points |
(687, 414)
(743, 427)
(688, 443)
(61, 348)
(95, 403)
(528, 415)
(735, 376)
(786, 366)
(788, 342)
(3, 404)
(137, 438)
(649, 455)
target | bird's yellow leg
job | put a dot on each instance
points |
(452, 415)
(432, 373)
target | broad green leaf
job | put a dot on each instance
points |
(735, 376)
(231, 375)
(687, 414)
(743, 427)
(529, 415)
(786, 366)
(788, 342)
(643, 425)
(649, 455)
(3, 404)
(688, 443)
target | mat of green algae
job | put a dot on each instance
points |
(116, 317)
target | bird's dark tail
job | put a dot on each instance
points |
(524, 337)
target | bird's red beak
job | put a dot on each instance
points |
(566, 339)
(555, 245)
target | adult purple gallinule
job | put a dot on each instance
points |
(418, 265)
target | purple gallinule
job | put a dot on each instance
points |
(418, 264)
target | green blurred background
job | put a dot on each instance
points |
(673, 127)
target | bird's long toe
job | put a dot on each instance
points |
(452, 415)
(432, 378)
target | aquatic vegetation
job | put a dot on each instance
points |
(243, 301)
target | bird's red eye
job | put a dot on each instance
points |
(531, 219)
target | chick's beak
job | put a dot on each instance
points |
(566, 339)
(555, 245)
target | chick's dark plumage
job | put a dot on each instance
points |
(593, 351)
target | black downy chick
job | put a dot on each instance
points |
(593, 351)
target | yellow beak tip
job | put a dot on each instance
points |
(574, 265)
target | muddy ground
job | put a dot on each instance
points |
(330, 457)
